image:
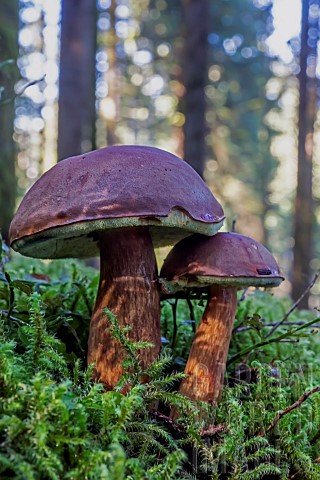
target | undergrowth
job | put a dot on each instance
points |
(55, 423)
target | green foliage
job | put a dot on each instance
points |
(55, 423)
(246, 450)
(67, 292)
(178, 325)
(257, 316)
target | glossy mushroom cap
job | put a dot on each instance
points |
(114, 187)
(224, 259)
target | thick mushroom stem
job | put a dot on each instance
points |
(207, 360)
(128, 287)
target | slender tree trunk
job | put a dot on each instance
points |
(304, 201)
(9, 14)
(113, 79)
(195, 74)
(76, 119)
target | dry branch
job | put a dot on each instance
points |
(294, 306)
(289, 409)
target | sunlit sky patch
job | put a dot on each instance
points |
(287, 23)
(42, 53)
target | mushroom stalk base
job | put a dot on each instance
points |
(207, 360)
(128, 288)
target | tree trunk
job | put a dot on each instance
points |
(304, 201)
(9, 14)
(128, 288)
(113, 79)
(195, 75)
(76, 118)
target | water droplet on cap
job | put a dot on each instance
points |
(207, 216)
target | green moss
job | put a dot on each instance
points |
(56, 423)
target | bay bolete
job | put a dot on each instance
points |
(223, 263)
(118, 202)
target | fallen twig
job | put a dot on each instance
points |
(289, 409)
(168, 421)
(21, 92)
(283, 336)
(294, 306)
(192, 315)
(212, 430)
(287, 324)
(243, 295)
(175, 324)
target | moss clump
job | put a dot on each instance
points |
(55, 423)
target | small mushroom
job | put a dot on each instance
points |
(223, 264)
(118, 202)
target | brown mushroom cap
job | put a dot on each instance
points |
(112, 187)
(224, 259)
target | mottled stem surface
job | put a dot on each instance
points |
(128, 287)
(207, 360)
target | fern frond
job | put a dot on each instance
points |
(152, 431)
(169, 467)
(165, 382)
(262, 470)
(156, 369)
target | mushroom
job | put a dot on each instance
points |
(223, 263)
(118, 202)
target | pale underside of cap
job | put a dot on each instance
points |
(81, 240)
(239, 283)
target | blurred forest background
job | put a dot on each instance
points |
(229, 85)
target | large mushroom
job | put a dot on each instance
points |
(223, 264)
(118, 202)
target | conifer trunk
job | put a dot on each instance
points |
(9, 14)
(76, 117)
(195, 74)
(304, 206)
